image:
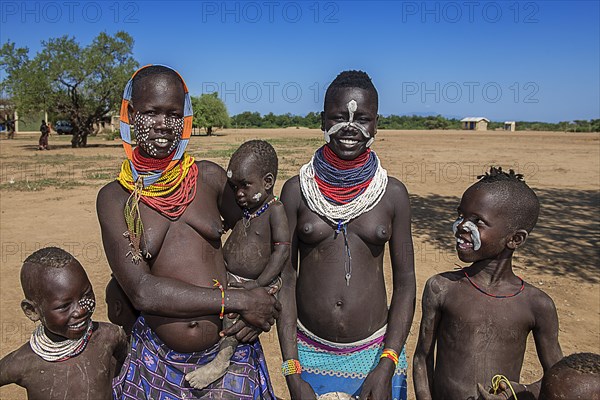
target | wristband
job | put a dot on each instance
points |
(218, 284)
(391, 354)
(291, 367)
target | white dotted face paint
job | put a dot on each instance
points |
(176, 125)
(143, 124)
(229, 174)
(88, 303)
(257, 196)
(471, 228)
(352, 107)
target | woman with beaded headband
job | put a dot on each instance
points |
(161, 228)
(342, 210)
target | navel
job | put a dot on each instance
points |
(193, 324)
(339, 303)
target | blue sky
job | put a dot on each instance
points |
(505, 60)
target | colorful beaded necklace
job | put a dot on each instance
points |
(249, 217)
(341, 190)
(167, 185)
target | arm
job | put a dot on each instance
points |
(423, 361)
(545, 335)
(11, 368)
(281, 252)
(402, 305)
(166, 296)
(286, 323)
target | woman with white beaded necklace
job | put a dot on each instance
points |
(342, 210)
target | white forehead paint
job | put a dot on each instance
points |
(470, 228)
(229, 173)
(257, 196)
(352, 107)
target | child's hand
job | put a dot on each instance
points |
(249, 285)
(503, 392)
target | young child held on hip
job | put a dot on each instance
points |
(258, 245)
(68, 356)
(483, 313)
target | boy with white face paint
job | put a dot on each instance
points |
(483, 313)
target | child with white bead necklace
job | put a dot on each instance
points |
(68, 355)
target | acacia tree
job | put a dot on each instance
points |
(210, 112)
(81, 84)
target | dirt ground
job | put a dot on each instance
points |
(48, 198)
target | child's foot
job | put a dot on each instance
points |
(203, 376)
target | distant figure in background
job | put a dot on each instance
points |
(10, 128)
(45, 131)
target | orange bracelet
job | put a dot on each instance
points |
(218, 284)
(391, 354)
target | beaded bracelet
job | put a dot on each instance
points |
(218, 284)
(391, 354)
(290, 367)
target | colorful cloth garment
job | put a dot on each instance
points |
(343, 367)
(153, 371)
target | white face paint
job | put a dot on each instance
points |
(257, 196)
(352, 107)
(229, 174)
(470, 228)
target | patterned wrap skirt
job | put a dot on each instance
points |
(153, 371)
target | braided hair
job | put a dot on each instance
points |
(517, 198)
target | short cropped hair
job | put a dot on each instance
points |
(351, 79)
(263, 153)
(511, 187)
(153, 70)
(39, 262)
(586, 363)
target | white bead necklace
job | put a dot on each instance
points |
(52, 351)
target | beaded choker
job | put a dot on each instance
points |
(249, 217)
(52, 351)
(496, 296)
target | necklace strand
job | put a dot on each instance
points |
(249, 217)
(52, 351)
(495, 295)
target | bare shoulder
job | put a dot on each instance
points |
(211, 174)
(290, 193)
(109, 193)
(539, 301)
(440, 284)
(18, 364)
(109, 331)
(397, 190)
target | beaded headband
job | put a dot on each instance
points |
(188, 114)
